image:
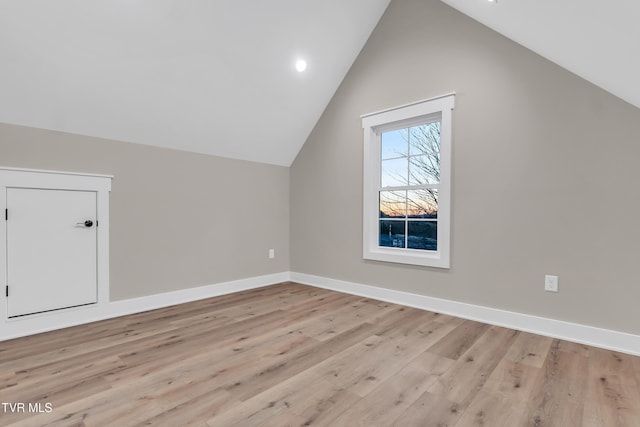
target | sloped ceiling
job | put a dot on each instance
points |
(595, 39)
(218, 77)
(209, 76)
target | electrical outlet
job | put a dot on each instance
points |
(551, 283)
(272, 253)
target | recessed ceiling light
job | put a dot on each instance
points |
(301, 65)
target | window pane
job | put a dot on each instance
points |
(393, 204)
(422, 203)
(424, 170)
(424, 139)
(423, 235)
(394, 172)
(394, 144)
(392, 234)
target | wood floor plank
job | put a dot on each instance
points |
(393, 397)
(255, 380)
(56, 394)
(38, 380)
(293, 355)
(517, 380)
(17, 348)
(559, 397)
(344, 318)
(470, 372)
(460, 339)
(530, 349)
(635, 361)
(281, 403)
(322, 407)
(612, 389)
(430, 410)
(185, 408)
(303, 397)
(67, 352)
(156, 393)
(359, 368)
(492, 409)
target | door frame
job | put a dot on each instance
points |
(56, 180)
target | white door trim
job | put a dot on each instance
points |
(58, 180)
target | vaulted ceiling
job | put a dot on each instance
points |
(209, 76)
(218, 76)
(595, 39)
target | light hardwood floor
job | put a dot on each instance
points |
(293, 355)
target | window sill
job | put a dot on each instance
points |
(407, 256)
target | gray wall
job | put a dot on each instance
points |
(178, 219)
(545, 174)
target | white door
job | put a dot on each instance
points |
(51, 250)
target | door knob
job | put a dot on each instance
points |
(87, 223)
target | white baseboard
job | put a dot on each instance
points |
(44, 322)
(597, 337)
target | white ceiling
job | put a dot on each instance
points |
(596, 39)
(218, 76)
(209, 76)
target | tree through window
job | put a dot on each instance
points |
(408, 196)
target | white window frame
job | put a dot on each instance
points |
(374, 124)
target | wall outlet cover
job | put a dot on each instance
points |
(551, 283)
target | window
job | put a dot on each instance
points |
(407, 183)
